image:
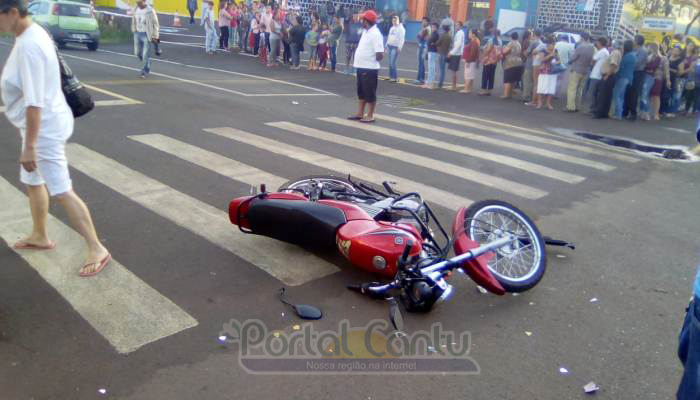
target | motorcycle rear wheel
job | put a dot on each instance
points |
(518, 266)
(304, 183)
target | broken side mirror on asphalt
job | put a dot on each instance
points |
(304, 311)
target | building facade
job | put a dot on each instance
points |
(581, 14)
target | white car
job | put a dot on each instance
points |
(572, 38)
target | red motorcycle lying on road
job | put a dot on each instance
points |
(393, 235)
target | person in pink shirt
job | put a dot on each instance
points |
(233, 27)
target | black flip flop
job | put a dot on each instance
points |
(354, 118)
(367, 121)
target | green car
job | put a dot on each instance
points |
(67, 21)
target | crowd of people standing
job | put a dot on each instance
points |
(607, 78)
(279, 35)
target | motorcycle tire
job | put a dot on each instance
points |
(486, 221)
(298, 183)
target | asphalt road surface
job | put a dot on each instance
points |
(160, 158)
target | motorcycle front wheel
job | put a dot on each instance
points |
(518, 266)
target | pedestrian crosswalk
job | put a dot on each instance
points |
(130, 314)
(342, 167)
(285, 262)
(468, 151)
(116, 303)
(424, 162)
(514, 131)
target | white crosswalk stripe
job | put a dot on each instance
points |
(612, 152)
(558, 142)
(424, 162)
(126, 311)
(342, 167)
(288, 263)
(469, 151)
(502, 143)
(214, 162)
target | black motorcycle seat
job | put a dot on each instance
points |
(305, 223)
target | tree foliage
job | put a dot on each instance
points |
(653, 7)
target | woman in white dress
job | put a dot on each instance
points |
(35, 104)
(547, 81)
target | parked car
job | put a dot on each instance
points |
(505, 37)
(67, 21)
(568, 37)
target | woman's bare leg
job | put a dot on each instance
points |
(81, 220)
(39, 206)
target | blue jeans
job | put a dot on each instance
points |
(677, 94)
(210, 40)
(232, 36)
(142, 49)
(443, 64)
(689, 353)
(393, 55)
(334, 56)
(421, 62)
(619, 95)
(295, 53)
(432, 67)
(646, 92)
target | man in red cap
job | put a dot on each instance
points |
(369, 53)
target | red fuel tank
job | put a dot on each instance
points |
(376, 246)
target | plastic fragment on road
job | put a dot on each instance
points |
(296, 327)
(102, 391)
(528, 333)
(591, 387)
(532, 303)
(593, 300)
(431, 349)
(481, 290)
(515, 294)
(563, 371)
(222, 338)
(295, 102)
(276, 334)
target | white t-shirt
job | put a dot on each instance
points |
(536, 59)
(31, 77)
(140, 15)
(599, 57)
(565, 51)
(371, 43)
(458, 44)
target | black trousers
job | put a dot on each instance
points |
(632, 95)
(604, 99)
(256, 48)
(223, 39)
(287, 53)
(192, 16)
(488, 75)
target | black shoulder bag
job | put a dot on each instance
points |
(77, 96)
